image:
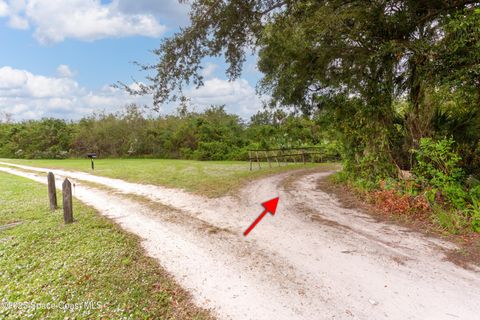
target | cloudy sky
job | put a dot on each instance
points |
(58, 58)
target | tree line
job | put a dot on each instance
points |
(212, 134)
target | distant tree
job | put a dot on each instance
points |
(261, 118)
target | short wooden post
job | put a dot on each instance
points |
(67, 201)
(276, 157)
(52, 192)
(250, 159)
(284, 157)
(258, 160)
(303, 157)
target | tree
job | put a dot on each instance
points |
(362, 56)
(317, 54)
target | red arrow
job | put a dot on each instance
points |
(270, 206)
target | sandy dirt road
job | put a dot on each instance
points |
(313, 260)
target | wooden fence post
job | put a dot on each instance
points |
(52, 192)
(250, 159)
(67, 201)
(258, 161)
(268, 159)
(284, 157)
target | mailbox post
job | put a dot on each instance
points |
(92, 156)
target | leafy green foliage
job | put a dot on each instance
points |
(215, 150)
(437, 164)
(475, 213)
(47, 138)
(210, 135)
(438, 174)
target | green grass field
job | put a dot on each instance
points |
(210, 178)
(90, 261)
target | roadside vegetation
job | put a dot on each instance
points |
(210, 135)
(89, 269)
(436, 188)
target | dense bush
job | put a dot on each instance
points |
(215, 150)
(436, 188)
(48, 138)
(437, 171)
(438, 175)
(438, 180)
(210, 135)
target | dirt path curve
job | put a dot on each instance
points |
(313, 260)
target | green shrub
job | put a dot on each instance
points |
(239, 154)
(438, 173)
(214, 150)
(452, 221)
(437, 170)
(474, 212)
(437, 163)
(186, 153)
(475, 192)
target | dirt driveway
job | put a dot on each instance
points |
(313, 260)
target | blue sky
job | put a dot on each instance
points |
(59, 58)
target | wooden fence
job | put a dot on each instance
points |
(288, 155)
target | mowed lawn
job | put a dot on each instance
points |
(210, 178)
(87, 270)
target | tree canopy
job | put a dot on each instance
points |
(373, 67)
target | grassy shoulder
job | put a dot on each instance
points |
(210, 178)
(89, 269)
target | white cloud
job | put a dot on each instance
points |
(3, 9)
(14, 9)
(167, 10)
(54, 21)
(29, 96)
(64, 71)
(238, 96)
(12, 78)
(18, 22)
(19, 83)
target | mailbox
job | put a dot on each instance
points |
(92, 156)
